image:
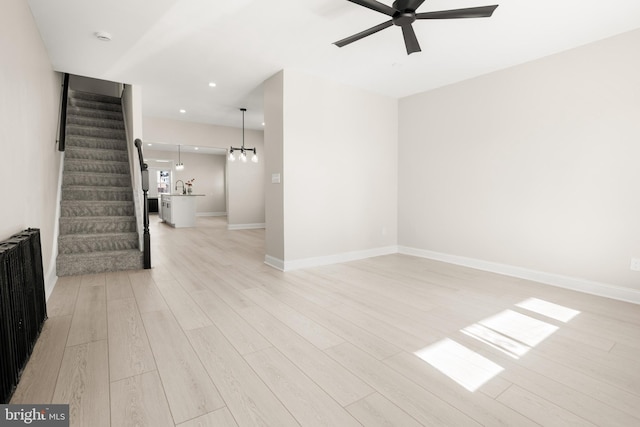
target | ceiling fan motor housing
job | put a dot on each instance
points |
(406, 17)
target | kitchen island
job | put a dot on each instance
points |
(178, 210)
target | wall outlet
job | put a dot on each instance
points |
(635, 264)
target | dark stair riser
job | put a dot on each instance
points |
(97, 225)
(93, 208)
(94, 97)
(74, 244)
(95, 179)
(75, 165)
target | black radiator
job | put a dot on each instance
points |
(22, 305)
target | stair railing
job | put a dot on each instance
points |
(144, 172)
(63, 112)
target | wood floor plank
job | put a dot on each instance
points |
(129, 350)
(348, 331)
(220, 418)
(83, 384)
(184, 308)
(422, 405)
(240, 334)
(337, 381)
(540, 410)
(62, 301)
(303, 398)
(376, 411)
(146, 292)
(189, 389)
(99, 279)
(118, 285)
(247, 397)
(139, 401)
(89, 321)
(38, 380)
(305, 327)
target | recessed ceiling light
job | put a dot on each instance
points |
(196, 148)
(212, 84)
(262, 123)
(149, 145)
(183, 111)
(103, 35)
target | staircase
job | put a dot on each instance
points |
(97, 216)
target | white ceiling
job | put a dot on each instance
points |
(174, 48)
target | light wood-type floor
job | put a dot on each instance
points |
(213, 337)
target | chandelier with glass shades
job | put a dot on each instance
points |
(243, 150)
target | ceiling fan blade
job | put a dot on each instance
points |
(363, 34)
(469, 12)
(410, 39)
(375, 5)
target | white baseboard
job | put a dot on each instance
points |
(276, 263)
(245, 226)
(595, 288)
(211, 214)
(332, 259)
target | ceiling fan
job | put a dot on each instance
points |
(403, 14)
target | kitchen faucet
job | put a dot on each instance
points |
(183, 189)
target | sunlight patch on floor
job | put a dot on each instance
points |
(464, 366)
(549, 309)
(496, 340)
(519, 327)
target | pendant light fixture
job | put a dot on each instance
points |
(243, 150)
(179, 165)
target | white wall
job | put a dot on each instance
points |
(534, 167)
(340, 171)
(29, 107)
(245, 185)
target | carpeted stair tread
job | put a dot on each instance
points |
(96, 154)
(93, 113)
(96, 166)
(94, 105)
(97, 225)
(86, 142)
(104, 242)
(95, 122)
(99, 262)
(95, 132)
(90, 208)
(95, 179)
(92, 193)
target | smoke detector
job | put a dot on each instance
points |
(103, 35)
